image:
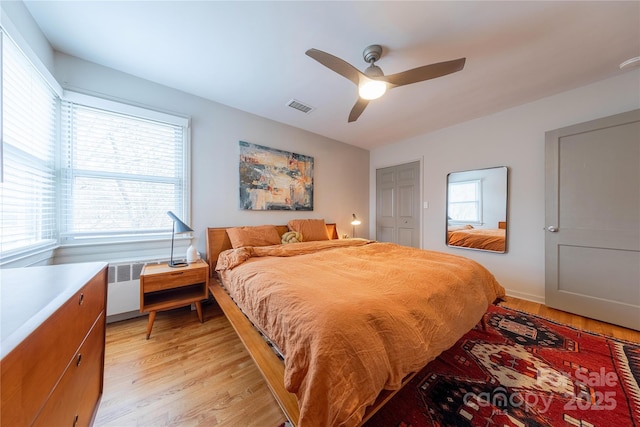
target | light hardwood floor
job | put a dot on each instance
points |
(572, 319)
(193, 374)
(187, 374)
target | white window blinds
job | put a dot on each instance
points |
(29, 106)
(465, 202)
(120, 174)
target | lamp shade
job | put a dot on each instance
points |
(179, 226)
(354, 221)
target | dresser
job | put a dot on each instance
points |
(52, 344)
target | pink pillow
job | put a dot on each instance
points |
(311, 229)
(260, 235)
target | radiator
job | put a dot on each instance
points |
(123, 295)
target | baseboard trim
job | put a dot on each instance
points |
(525, 296)
(124, 316)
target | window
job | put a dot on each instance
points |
(465, 202)
(83, 169)
(120, 172)
(27, 190)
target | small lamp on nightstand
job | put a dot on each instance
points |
(355, 221)
(178, 227)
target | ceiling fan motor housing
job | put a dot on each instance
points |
(372, 53)
(373, 71)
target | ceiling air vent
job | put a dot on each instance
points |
(294, 103)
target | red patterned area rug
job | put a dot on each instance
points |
(522, 370)
(519, 369)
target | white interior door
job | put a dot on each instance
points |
(592, 244)
(398, 204)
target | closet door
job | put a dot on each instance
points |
(592, 244)
(398, 204)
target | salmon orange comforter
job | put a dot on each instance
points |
(478, 238)
(354, 317)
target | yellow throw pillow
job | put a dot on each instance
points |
(291, 237)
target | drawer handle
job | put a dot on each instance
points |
(79, 359)
(177, 273)
(81, 299)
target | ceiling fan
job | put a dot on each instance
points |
(372, 84)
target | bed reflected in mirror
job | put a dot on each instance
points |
(477, 209)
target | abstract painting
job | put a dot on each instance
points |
(272, 179)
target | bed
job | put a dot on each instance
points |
(354, 319)
(490, 239)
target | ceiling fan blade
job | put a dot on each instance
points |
(357, 109)
(425, 72)
(336, 64)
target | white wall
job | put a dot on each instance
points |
(17, 20)
(513, 138)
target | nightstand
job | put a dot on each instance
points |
(164, 288)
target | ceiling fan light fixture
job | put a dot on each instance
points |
(372, 89)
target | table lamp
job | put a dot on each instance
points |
(355, 221)
(178, 227)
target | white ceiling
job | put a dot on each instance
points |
(250, 55)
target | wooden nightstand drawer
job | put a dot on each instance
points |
(164, 288)
(157, 282)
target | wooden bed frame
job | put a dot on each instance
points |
(269, 364)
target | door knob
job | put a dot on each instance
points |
(552, 229)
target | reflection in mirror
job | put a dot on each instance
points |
(477, 209)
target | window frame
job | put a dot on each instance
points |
(67, 239)
(477, 202)
(37, 69)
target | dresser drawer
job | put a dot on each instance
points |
(76, 395)
(159, 282)
(32, 369)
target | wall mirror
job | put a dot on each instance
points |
(477, 209)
